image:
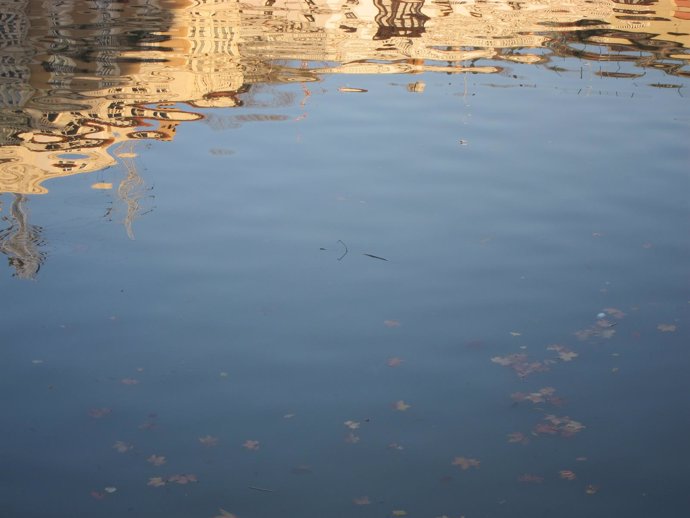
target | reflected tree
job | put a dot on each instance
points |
(21, 241)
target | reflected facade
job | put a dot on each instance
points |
(77, 79)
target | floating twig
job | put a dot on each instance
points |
(346, 250)
(262, 489)
(376, 257)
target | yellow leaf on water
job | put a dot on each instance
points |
(515, 333)
(347, 89)
(102, 185)
(399, 512)
(401, 406)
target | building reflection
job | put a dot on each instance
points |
(20, 241)
(79, 80)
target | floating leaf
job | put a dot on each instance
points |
(352, 425)
(515, 333)
(564, 353)
(518, 437)
(250, 444)
(521, 365)
(614, 312)
(110, 489)
(98, 495)
(591, 489)
(347, 89)
(208, 440)
(224, 514)
(156, 460)
(401, 406)
(122, 447)
(394, 362)
(362, 500)
(399, 512)
(129, 381)
(666, 328)
(391, 323)
(466, 463)
(543, 395)
(156, 482)
(395, 446)
(351, 438)
(183, 478)
(567, 474)
(102, 186)
(98, 413)
(554, 425)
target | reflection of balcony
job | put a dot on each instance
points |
(399, 18)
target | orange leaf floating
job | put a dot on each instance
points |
(564, 353)
(352, 425)
(394, 362)
(250, 444)
(554, 425)
(122, 447)
(521, 365)
(401, 406)
(543, 395)
(98, 413)
(156, 460)
(391, 323)
(615, 313)
(518, 437)
(466, 463)
(208, 440)
(156, 482)
(184, 478)
(567, 474)
(362, 500)
(351, 438)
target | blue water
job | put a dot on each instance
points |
(504, 214)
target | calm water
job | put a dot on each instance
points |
(424, 259)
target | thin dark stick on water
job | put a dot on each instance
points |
(263, 489)
(346, 250)
(376, 257)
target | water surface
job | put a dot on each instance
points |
(345, 259)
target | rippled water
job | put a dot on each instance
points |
(362, 258)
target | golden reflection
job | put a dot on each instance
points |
(78, 79)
